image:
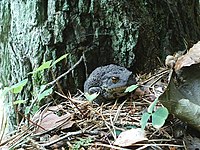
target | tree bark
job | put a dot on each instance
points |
(135, 34)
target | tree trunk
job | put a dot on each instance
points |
(135, 34)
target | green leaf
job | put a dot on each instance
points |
(91, 97)
(87, 141)
(59, 59)
(159, 117)
(81, 143)
(17, 88)
(162, 112)
(19, 102)
(144, 119)
(35, 109)
(27, 110)
(131, 88)
(5, 91)
(42, 88)
(118, 132)
(45, 65)
(151, 107)
(45, 93)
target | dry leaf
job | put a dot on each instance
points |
(190, 58)
(49, 121)
(130, 137)
(65, 121)
(182, 97)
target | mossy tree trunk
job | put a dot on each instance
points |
(130, 33)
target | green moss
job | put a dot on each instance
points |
(5, 18)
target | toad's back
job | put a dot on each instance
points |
(110, 81)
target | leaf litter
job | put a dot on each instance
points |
(76, 123)
(110, 126)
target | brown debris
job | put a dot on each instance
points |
(190, 58)
(76, 123)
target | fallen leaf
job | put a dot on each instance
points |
(65, 121)
(190, 58)
(130, 137)
(50, 121)
(47, 122)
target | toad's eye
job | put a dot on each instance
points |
(115, 79)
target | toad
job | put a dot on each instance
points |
(109, 81)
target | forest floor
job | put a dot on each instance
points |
(76, 123)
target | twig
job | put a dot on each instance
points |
(70, 101)
(159, 74)
(29, 119)
(173, 145)
(19, 141)
(113, 121)
(58, 78)
(117, 114)
(64, 74)
(62, 138)
(110, 146)
(58, 84)
(86, 70)
(106, 123)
